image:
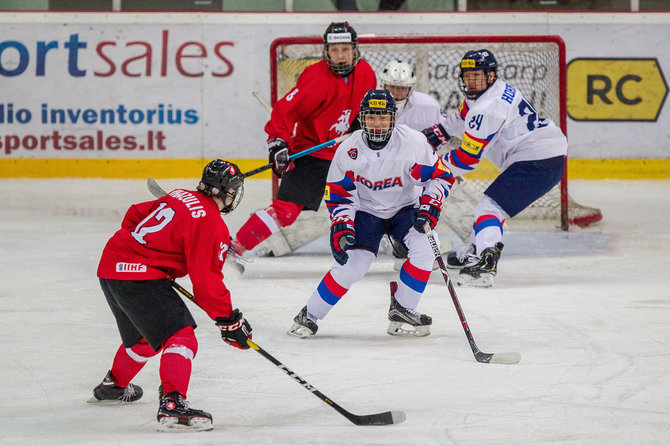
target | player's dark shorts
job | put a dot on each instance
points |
(370, 229)
(306, 183)
(149, 309)
(524, 182)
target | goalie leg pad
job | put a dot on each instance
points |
(265, 222)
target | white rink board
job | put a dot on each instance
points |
(207, 65)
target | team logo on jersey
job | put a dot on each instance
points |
(353, 153)
(342, 124)
(123, 267)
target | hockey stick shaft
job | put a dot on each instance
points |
(263, 102)
(300, 154)
(380, 419)
(495, 358)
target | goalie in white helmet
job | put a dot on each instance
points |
(416, 110)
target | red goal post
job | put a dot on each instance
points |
(535, 64)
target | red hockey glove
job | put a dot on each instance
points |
(429, 212)
(436, 135)
(279, 157)
(342, 236)
(235, 330)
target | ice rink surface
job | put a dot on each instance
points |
(588, 310)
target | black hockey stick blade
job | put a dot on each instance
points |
(155, 189)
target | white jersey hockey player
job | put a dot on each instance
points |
(384, 179)
(498, 122)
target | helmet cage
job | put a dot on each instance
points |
(477, 60)
(341, 33)
(377, 103)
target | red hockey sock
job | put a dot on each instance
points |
(175, 368)
(265, 222)
(129, 361)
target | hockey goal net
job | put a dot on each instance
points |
(533, 64)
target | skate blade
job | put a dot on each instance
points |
(299, 331)
(406, 330)
(483, 281)
(171, 424)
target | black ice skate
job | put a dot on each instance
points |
(406, 322)
(459, 258)
(480, 270)
(303, 326)
(108, 392)
(174, 414)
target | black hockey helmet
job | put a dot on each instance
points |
(377, 102)
(224, 180)
(477, 60)
(340, 32)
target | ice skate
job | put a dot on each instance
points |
(480, 270)
(457, 259)
(303, 326)
(108, 392)
(174, 414)
(406, 322)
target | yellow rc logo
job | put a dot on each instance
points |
(615, 89)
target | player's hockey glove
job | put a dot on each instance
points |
(342, 236)
(279, 157)
(436, 135)
(429, 212)
(235, 330)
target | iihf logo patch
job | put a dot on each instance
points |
(353, 153)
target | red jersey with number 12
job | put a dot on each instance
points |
(178, 234)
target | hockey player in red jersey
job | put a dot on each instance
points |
(322, 106)
(178, 234)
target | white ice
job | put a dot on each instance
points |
(588, 310)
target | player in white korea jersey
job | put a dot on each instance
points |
(384, 179)
(497, 122)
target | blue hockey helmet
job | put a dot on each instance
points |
(377, 103)
(338, 33)
(224, 180)
(478, 60)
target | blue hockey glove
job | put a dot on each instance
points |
(342, 236)
(436, 135)
(429, 212)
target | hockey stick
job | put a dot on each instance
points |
(263, 102)
(491, 358)
(300, 154)
(158, 191)
(378, 419)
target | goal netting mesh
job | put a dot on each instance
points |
(533, 64)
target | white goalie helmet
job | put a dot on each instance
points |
(398, 73)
